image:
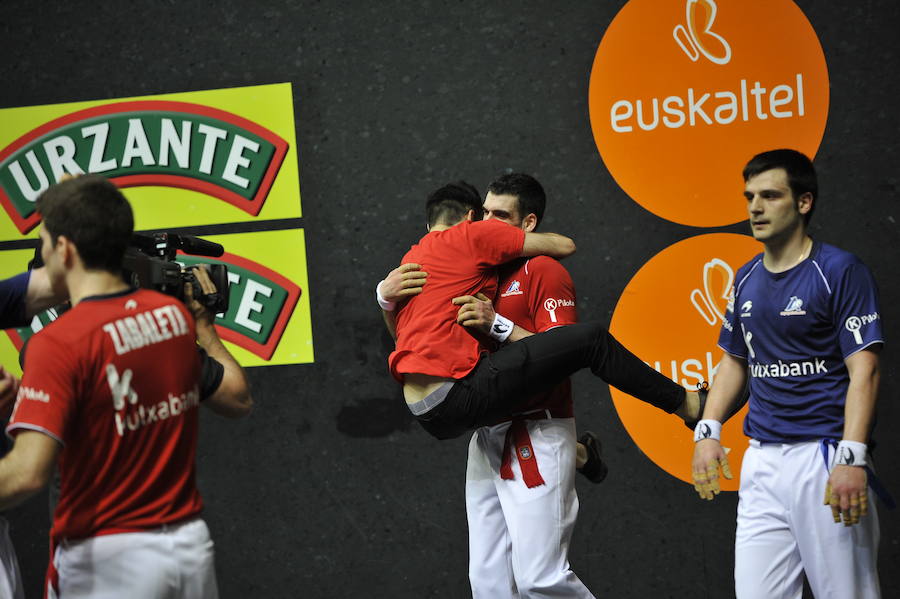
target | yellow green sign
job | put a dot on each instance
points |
(183, 160)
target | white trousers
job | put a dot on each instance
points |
(783, 529)
(10, 579)
(171, 562)
(519, 537)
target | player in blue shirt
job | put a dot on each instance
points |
(21, 297)
(804, 324)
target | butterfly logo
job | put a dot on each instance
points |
(696, 36)
(716, 295)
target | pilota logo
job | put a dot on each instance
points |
(696, 278)
(161, 143)
(855, 323)
(551, 305)
(687, 91)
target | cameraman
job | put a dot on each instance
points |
(112, 388)
(224, 388)
(21, 297)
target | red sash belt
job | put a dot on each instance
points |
(518, 440)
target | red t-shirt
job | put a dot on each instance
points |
(459, 261)
(114, 380)
(538, 294)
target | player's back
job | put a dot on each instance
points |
(459, 261)
(117, 378)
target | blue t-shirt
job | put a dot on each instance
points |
(12, 301)
(795, 329)
(12, 314)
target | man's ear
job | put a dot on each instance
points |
(530, 222)
(66, 249)
(470, 215)
(805, 203)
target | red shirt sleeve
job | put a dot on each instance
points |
(551, 294)
(46, 397)
(494, 242)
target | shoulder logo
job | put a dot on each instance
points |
(794, 307)
(551, 305)
(33, 394)
(746, 309)
(855, 323)
(141, 143)
(513, 289)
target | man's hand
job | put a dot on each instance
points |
(403, 282)
(9, 387)
(847, 494)
(709, 455)
(475, 312)
(200, 312)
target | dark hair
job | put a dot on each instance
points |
(801, 174)
(530, 193)
(449, 204)
(93, 214)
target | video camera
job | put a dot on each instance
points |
(150, 263)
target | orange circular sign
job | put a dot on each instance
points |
(669, 315)
(684, 92)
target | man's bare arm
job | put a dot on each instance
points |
(26, 469)
(402, 283)
(731, 378)
(547, 244)
(709, 455)
(232, 397)
(846, 491)
(390, 321)
(40, 295)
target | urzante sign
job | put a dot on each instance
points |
(188, 159)
(195, 158)
(268, 316)
(156, 143)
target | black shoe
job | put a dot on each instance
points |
(703, 392)
(594, 468)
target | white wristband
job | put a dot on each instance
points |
(708, 429)
(851, 453)
(501, 328)
(385, 305)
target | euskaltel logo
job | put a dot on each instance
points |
(261, 303)
(683, 92)
(670, 315)
(144, 143)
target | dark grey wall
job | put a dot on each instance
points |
(330, 489)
